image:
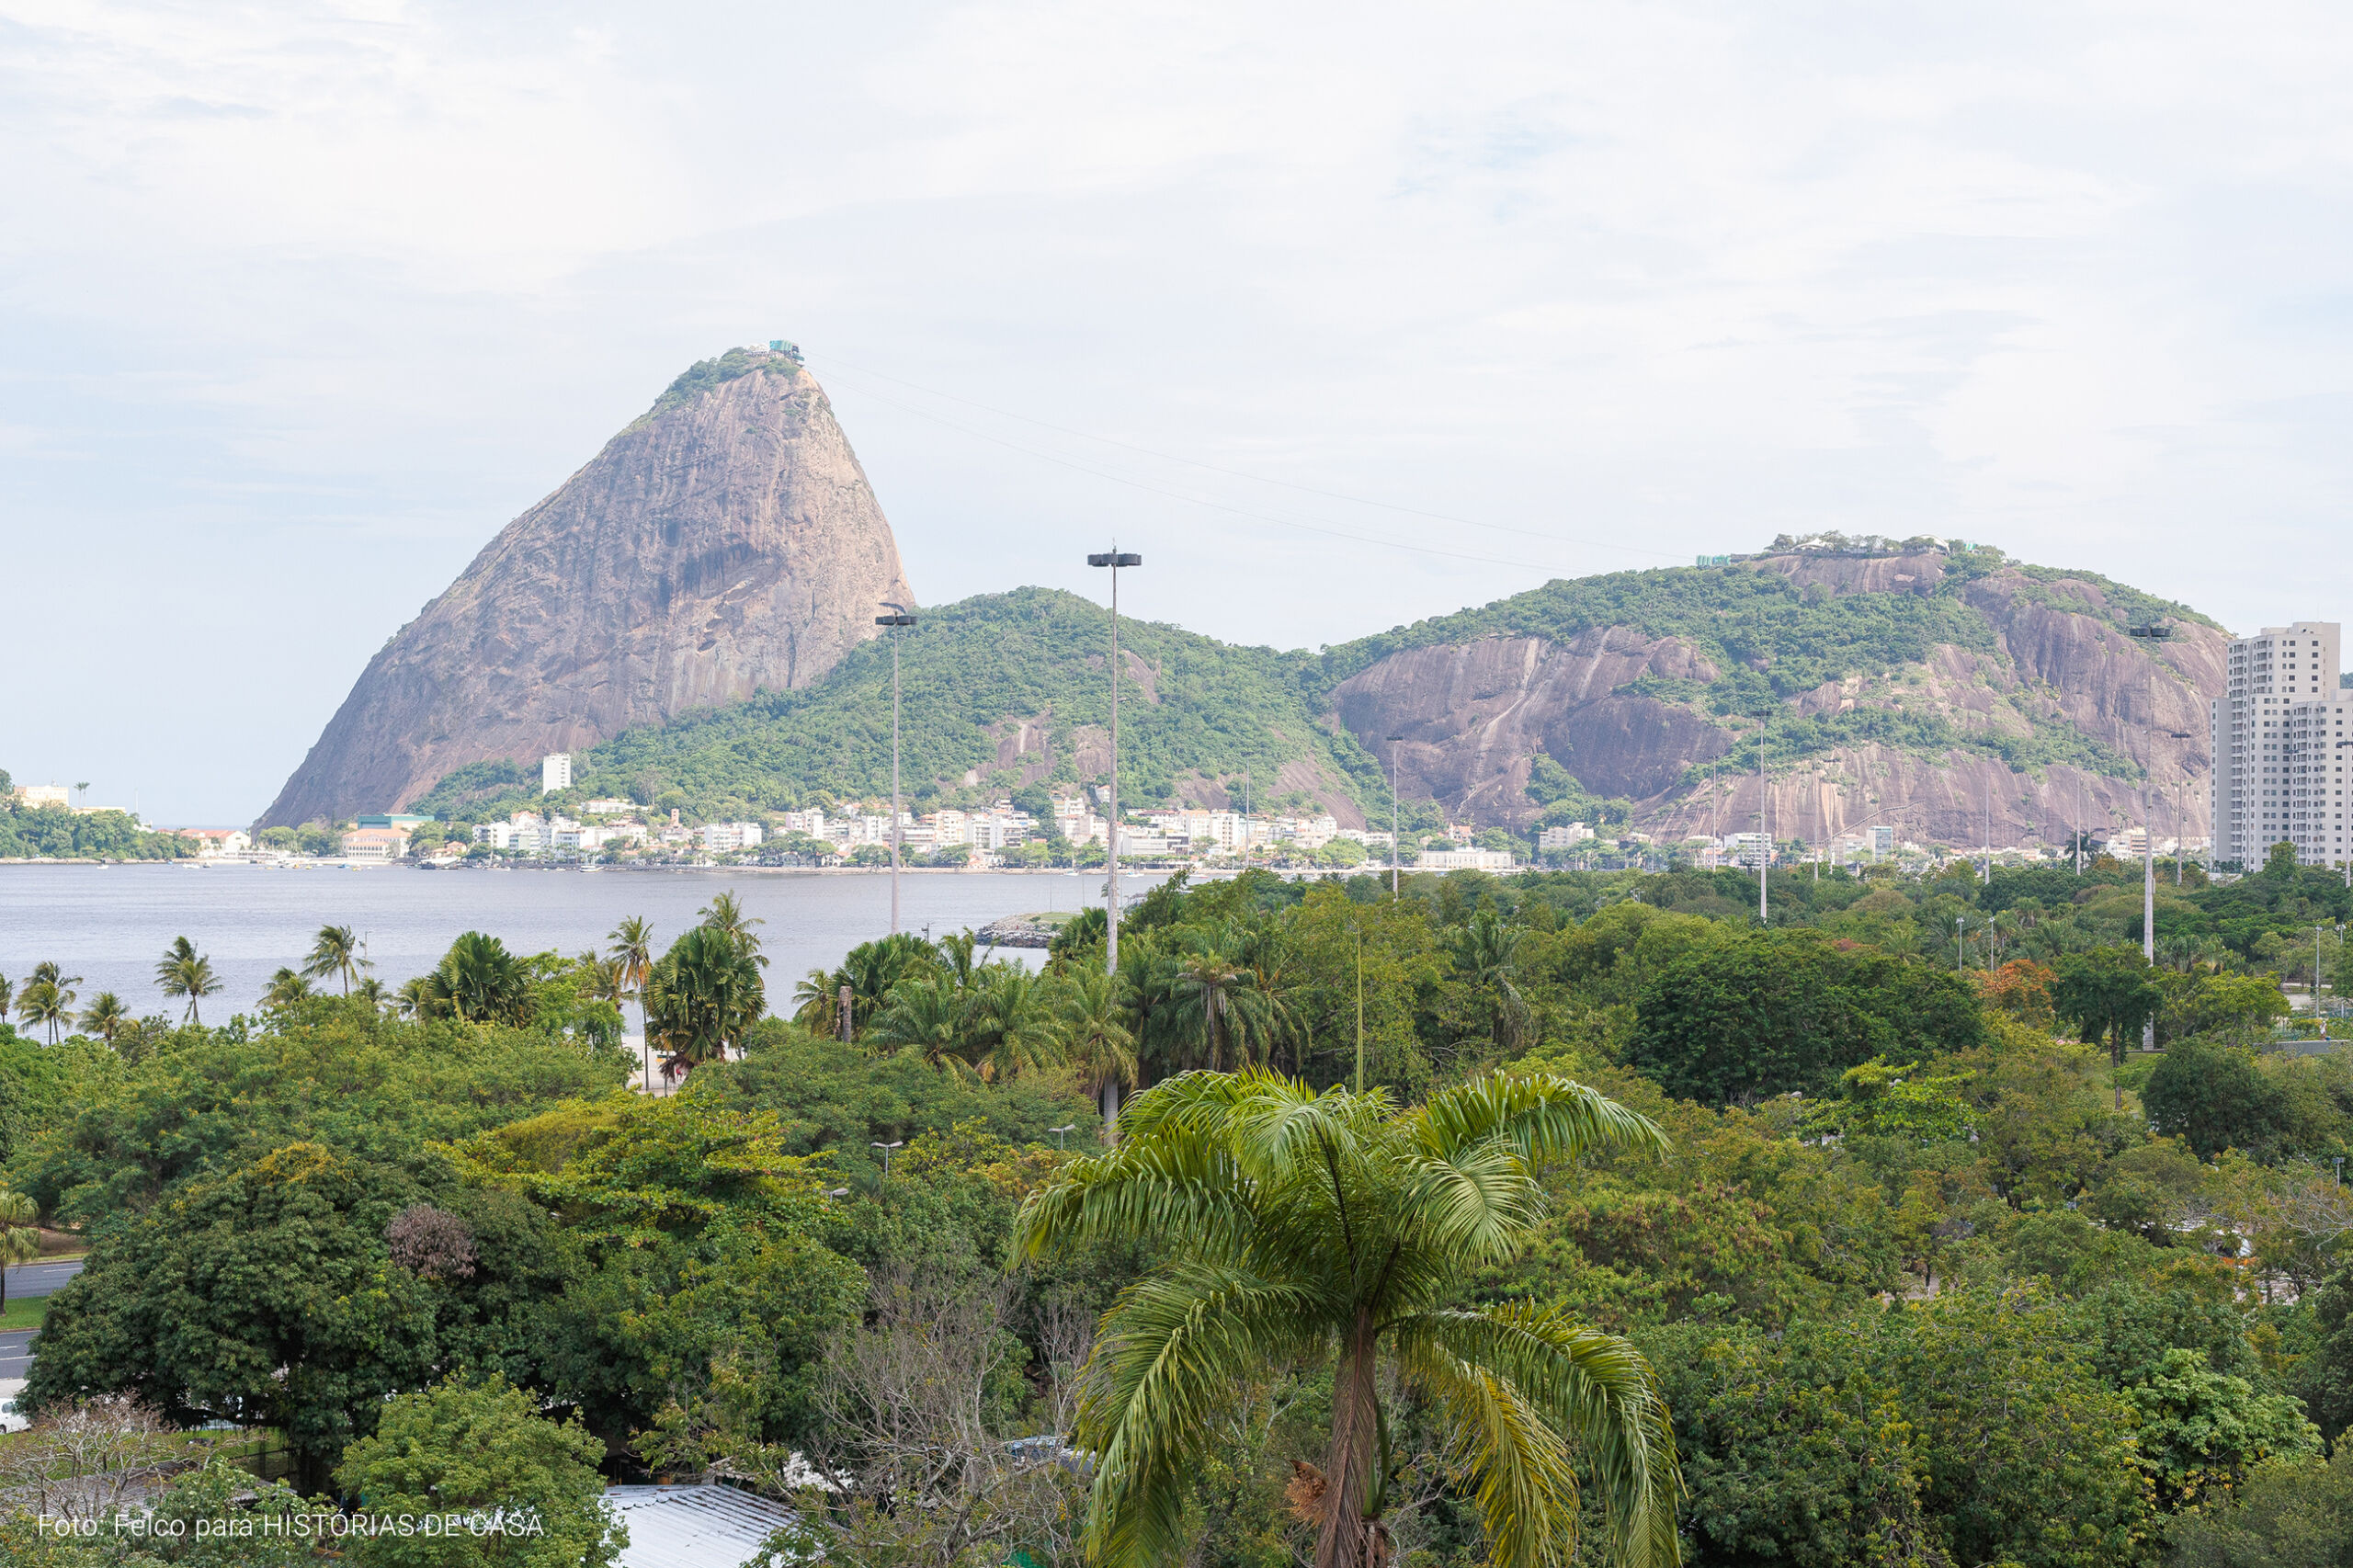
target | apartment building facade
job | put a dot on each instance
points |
(2279, 740)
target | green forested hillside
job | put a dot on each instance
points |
(1216, 710)
(1213, 710)
(1745, 618)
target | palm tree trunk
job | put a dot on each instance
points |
(1111, 1112)
(1350, 1462)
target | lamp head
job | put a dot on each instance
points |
(1115, 558)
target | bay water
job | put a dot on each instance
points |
(110, 924)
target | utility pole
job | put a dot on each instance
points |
(1114, 560)
(895, 619)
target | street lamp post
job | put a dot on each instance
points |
(898, 617)
(1764, 822)
(2149, 870)
(1392, 815)
(886, 1148)
(1114, 560)
(1059, 1131)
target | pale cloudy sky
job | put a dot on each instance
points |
(300, 304)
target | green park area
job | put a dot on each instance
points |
(1526, 1221)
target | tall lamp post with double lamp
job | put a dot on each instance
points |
(1114, 560)
(895, 619)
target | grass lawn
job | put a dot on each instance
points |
(23, 1312)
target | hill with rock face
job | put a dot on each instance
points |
(1946, 694)
(726, 543)
(1951, 695)
(691, 615)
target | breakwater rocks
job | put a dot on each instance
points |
(1019, 931)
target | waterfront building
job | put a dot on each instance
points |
(555, 773)
(218, 842)
(374, 844)
(726, 837)
(1463, 860)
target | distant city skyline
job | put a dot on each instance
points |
(304, 307)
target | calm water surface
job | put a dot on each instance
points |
(109, 924)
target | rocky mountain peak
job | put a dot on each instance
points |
(725, 542)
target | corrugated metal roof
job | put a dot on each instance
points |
(694, 1527)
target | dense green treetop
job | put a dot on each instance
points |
(1925, 1281)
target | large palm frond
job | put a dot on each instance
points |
(1543, 1116)
(1593, 1384)
(1183, 1340)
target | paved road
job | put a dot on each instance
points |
(30, 1279)
(40, 1278)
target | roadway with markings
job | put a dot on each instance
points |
(29, 1279)
(25, 1281)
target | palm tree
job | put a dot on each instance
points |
(479, 982)
(633, 949)
(106, 1017)
(1095, 1041)
(48, 972)
(1486, 953)
(187, 973)
(726, 915)
(19, 1235)
(871, 970)
(1301, 1225)
(1081, 932)
(373, 992)
(286, 988)
(1218, 1002)
(42, 1003)
(336, 951)
(1010, 1022)
(703, 996)
(925, 1013)
(956, 951)
(7, 995)
(1149, 994)
(417, 999)
(600, 980)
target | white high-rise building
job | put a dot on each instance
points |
(555, 773)
(2279, 738)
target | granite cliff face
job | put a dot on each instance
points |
(725, 542)
(2040, 660)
